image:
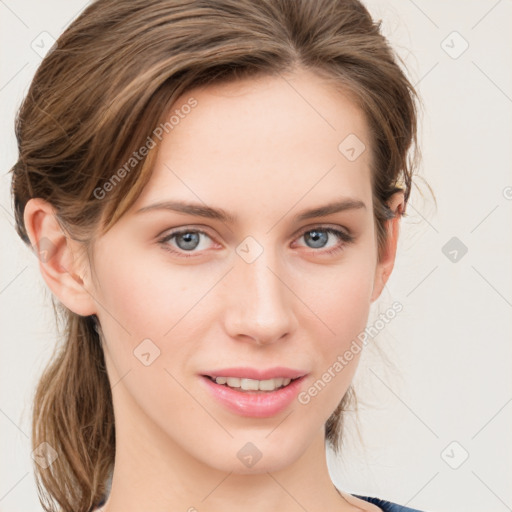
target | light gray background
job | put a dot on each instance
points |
(451, 394)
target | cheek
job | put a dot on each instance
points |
(146, 293)
(131, 296)
(343, 306)
(152, 318)
(148, 297)
(340, 296)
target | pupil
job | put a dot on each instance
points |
(191, 240)
(316, 235)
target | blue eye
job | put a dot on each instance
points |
(188, 240)
(319, 237)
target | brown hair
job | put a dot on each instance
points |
(97, 97)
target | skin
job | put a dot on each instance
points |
(257, 149)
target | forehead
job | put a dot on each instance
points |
(268, 139)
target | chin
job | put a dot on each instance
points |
(253, 455)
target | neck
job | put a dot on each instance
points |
(151, 478)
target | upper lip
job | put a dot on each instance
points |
(256, 374)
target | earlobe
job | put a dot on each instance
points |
(387, 260)
(58, 257)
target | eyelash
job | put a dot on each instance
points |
(347, 239)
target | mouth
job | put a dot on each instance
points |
(253, 398)
(253, 386)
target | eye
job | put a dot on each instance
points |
(319, 236)
(186, 240)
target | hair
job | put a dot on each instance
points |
(106, 85)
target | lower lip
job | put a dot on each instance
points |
(255, 404)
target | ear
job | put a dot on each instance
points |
(58, 256)
(388, 253)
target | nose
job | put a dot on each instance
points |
(260, 302)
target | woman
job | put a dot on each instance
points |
(214, 192)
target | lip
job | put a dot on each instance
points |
(253, 373)
(254, 404)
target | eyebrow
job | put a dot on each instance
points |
(202, 210)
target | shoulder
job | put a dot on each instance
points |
(383, 505)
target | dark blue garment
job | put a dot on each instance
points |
(386, 506)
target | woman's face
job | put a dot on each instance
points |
(265, 288)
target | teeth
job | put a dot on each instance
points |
(251, 384)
